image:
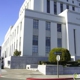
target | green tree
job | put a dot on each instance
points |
(17, 53)
(65, 55)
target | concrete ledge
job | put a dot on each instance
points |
(49, 79)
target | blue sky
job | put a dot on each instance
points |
(9, 11)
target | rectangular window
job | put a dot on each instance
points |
(55, 7)
(59, 42)
(20, 26)
(35, 40)
(74, 33)
(35, 24)
(35, 44)
(35, 49)
(67, 6)
(47, 41)
(73, 8)
(61, 7)
(47, 49)
(67, 0)
(20, 44)
(48, 6)
(48, 44)
(15, 32)
(48, 26)
(17, 29)
(14, 46)
(59, 28)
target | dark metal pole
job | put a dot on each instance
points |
(58, 68)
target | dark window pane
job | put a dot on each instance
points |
(48, 6)
(35, 40)
(35, 49)
(48, 26)
(35, 24)
(73, 8)
(55, 8)
(47, 41)
(61, 7)
(67, 6)
(58, 27)
(59, 42)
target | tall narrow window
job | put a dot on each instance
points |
(67, 6)
(35, 24)
(17, 29)
(61, 7)
(74, 33)
(20, 44)
(14, 46)
(35, 44)
(55, 7)
(73, 8)
(20, 26)
(48, 6)
(59, 42)
(67, 0)
(59, 28)
(48, 44)
(48, 26)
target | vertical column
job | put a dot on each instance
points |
(58, 7)
(27, 37)
(41, 45)
(53, 35)
(51, 7)
(64, 6)
(76, 9)
(70, 7)
(64, 36)
(78, 41)
(44, 4)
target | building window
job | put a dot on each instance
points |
(59, 42)
(67, 6)
(35, 49)
(47, 44)
(48, 26)
(17, 29)
(14, 46)
(15, 32)
(59, 28)
(73, 8)
(72, 1)
(35, 44)
(48, 6)
(20, 26)
(35, 40)
(61, 7)
(67, 0)
(35, 24)
(74, 33)
(55, 7)
(20, 44)
(17, 44)
(47, 49)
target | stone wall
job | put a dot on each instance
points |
(21, 62)
(52, 70)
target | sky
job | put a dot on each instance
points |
(9, 12)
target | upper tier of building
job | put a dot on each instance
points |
(50, 6)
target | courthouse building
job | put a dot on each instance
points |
(43, 25)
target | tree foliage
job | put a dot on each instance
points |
(17, 53)
(65, 55)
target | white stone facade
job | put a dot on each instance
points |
(43, 25)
